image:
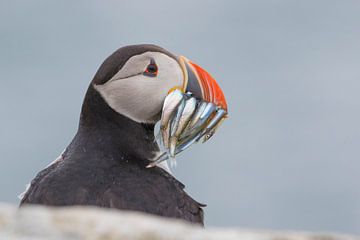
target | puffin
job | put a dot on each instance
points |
(105, 163)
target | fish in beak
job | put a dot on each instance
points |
(192, 112)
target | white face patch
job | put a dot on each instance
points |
(137, 96)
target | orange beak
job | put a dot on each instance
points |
(201, 84)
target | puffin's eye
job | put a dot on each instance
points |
(151, 70)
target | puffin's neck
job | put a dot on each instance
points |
(102, 131)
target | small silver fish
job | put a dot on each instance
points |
(180, 123)
(200, 123)
(178, 150)
(212, 131)
(176, 120)
(195, 118)
(189, 109)
(208, 130)
(209, 110)
(165, 136)
(170, 104)
(174, 124)
(172, 101)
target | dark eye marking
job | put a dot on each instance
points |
(151, 69)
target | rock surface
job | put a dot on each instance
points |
(75, 223)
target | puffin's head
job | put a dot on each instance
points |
(135, 80)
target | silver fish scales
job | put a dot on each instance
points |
(185, 121)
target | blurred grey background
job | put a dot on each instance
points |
(287, 158)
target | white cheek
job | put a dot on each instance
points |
(132, 98)
(140, 97)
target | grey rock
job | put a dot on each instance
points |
(75, 223)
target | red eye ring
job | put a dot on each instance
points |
(151, 70)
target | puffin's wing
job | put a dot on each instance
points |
(32, 188)
(48, 188)
(153, 195)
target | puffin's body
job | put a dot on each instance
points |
(105, 164)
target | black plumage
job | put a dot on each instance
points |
(105, 164)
